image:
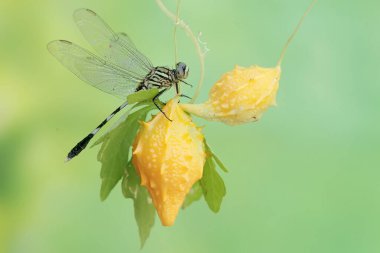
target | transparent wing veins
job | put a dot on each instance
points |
(116, 48)
(94, 70)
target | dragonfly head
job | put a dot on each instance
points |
(181, 70)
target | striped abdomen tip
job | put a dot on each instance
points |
(79, 147)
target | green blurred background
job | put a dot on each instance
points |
(303, 179)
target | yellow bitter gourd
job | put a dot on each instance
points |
(240, 96)
(243, 94)
(169, 156)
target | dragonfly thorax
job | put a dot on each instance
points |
(163, 77)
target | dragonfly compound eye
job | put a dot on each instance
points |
(182, 70)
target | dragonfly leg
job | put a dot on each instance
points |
(186, 83)
(185, 96)
(158, 107)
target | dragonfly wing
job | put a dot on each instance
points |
(93, 69)
(114, 47)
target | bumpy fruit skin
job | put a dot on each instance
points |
(240, 96)
(169, 156)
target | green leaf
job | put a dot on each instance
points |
(194, 194)
(217, 160)
(131, 182)
(143, 207)
(212, 185)
(115, 149)
(142, 95)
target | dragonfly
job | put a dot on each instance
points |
(119, 68)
